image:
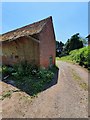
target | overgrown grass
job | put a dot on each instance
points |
(30, 78)
(80, 56)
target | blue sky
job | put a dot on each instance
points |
(68, 17)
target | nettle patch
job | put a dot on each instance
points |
(29, 78)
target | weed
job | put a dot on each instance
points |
(32, 79)
(6, 94)
(84, 86)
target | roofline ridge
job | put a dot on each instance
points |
(14, 30)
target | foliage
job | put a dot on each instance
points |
(80, 56)
(84, 40)
(57, 44)
(34, 83)
(73, 43)
(6, 70)
(32, 79)
(61, 44)
(59, 47)
(24, 69)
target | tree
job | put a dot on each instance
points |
(57, 44)
(61, 44)
(84, 40)
(59, 48)
(73, 43)
(66, 46)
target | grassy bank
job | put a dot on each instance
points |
(80, 56)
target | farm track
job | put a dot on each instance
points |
(67, 99)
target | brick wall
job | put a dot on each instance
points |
(8, 50)
(20, 50)
(47, 44)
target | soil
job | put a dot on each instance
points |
(66, 99)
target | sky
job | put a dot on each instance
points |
(68, 17)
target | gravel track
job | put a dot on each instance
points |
(67, 99)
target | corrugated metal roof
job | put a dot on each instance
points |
(24, 31)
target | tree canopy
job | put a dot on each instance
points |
(73, 43)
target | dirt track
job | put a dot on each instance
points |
(67, 99)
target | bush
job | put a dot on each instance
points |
(44, 73)
(32, 79)
(6, 70)
(24, 69)
(80, 56)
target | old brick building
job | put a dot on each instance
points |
(34, 43)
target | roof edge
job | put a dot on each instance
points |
(45, 19)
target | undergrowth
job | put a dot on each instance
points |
(80, 56)
(30, 78)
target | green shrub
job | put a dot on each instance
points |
(24, 69)
(6, 70)
(32, 79)
(29, 78)
(80, 56)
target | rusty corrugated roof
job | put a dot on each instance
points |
(30, 29)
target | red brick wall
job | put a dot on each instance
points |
(20, 50)
(8, 50)
(47, 44)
